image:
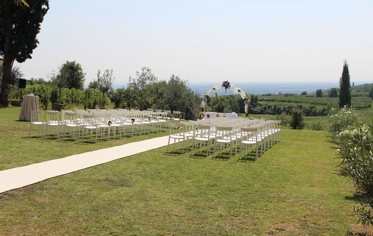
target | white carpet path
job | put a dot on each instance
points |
(27, 175)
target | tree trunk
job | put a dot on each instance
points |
(8, 57)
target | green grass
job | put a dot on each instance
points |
(293, 189)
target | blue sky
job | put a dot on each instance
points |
(209, 40)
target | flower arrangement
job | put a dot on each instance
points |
(133, 120)
(226, 85)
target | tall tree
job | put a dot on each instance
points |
(105, 81)
(345, 88)
(179, 97)
(73, 73)
(18, 29)
(319, 93)
(140, 86)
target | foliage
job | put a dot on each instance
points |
(319, 93)
(59, 81)
(103, 100)
(355, 147)
(181, 98)
(285, 119)
(311, 105)
(54, 96)
(340, 119)
(19, 27)
(157, 93)
(91, 98)
(357, 163)
(371, 93)
(297, 121)
(105, 81)
(72, 74)
(345, 87)
(130, 96)
(118, 98)
(333, 93)
(140, 85)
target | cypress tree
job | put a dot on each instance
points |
(345, 87)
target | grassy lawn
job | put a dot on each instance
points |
(293, 189)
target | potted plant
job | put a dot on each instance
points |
(15, 102)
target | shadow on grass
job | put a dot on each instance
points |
(222, 156)
(175, 152)
(247, 159)
(358, 197)
(199, 155)
(22, 121)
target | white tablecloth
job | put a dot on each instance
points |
(29, 103)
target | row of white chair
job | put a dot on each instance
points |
(226, 132)
(101, 123)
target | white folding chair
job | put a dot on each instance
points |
(225, 136)
(53, 120)
(251, 137)
(177, 133)
(37, 118)
(201, 135)
(71, 123)
(90, 124)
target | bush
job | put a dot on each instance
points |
(357, 164)
(316, 125)
(297, 121)
(339, 120)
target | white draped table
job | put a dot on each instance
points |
(29, 103)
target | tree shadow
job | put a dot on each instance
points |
(358, 197)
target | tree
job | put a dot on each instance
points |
(319, 93)
(73, 74)
(371, 93)
(105, 81)
(140, 85)
(118, 97)
(333, 93)
(345, 88)
(304, 93)
(181, 98)
(19, 27)
(60, 81)
(157, 94)
(297, 119)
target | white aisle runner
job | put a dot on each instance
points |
(26, 175)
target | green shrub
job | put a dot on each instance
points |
(297, 121)
(357, 163)
(339, 120)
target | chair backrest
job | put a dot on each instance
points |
(202, 131)
(53, 117)
(90, 120)
(37, 116)
(249, 133)
(224, 132)
(177, 128)
(70, 118)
